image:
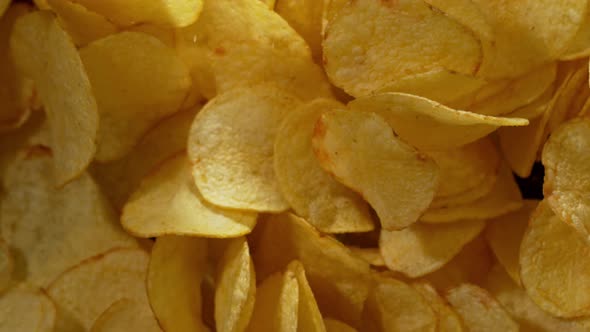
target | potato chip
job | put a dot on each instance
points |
(175, 13)
(537, 108)
(551, 270)
(448, 320)
(24, 309)
(41, 4)
(421, 248)
(396, 40)
(235, 291)
(339, 280)
(44, 52)
(126, 315)
(466, 13)
(133, 91)
(6, 266)
(369, 255)
(306, 18)
(308, 313)
(579, 47)
(491, 88)
(165, 34)
(504, 235)
(269, 3)
(571, 88)
(362, 152)
(395, 306)
(428, 125)
(83, 292)
(4, 4)
(333, 325)
(225, 140)
(482, 189)
(51, 229)
(313, 193)
(478, 310)
(176, 268)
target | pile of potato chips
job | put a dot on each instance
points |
(294, 165)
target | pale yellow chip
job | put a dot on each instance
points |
(176, 268)
(396, 39)
(83, 292)
(6, 266)
(361, 151)
(25, 309)
(176, 13)
(339, 279)
(231, 148)
(235, 289)
(333, 325)
(306, 18)
(133, 91)
(428, 125)
(308, 313)
(421, 248)
(312, 192)
(369, 255)
(551, 266)
(448, 319)
(52, 228)
(165, 34)
(195, 56)
(478, 310)
(44, 52)
(395, 306)
(504, 235)
(126, 315)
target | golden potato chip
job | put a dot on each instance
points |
(167, 202)
(235, 291)
(579, 47)
(177, 266)
(49, 228)
(551, 268)
(24, 309)
(504, 235)
(133, 91)
(306, 18)
(491, 88)
(6, 266)
(313, 193)
(482, 189)
(428, 125)
(503, 198)
(308, 313)
(421, 248)
(269, 3)
(478, 310)
(176, 13)
(537, 108)
(362, 152)
(395, 306)
(44, 52)
(83, 25)
(226, 140)
(126, 315)
(395, 40)
(466, 13)
(448, 320)
(561, 108)
(339, 280)
(165, 34)
(83, 292)
(333, 325)
(369, 255)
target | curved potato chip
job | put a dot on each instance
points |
(396, 39)
(564, 104)
(309, 316)
(313, 193)
(133, 91)
(166, 35)
(421, 248)
(176, 269)
(83, 292)
(167, 202)
(467, 14)
(478, 310)
(428, 125)
(26, 310)
(482, 189)
(44, 52)
(235, 291)
(306, 18)
(551, 268)
(41, 4)
(6, 266)
(362, 152)
(448, 319)
(333, 325)
(126, 315)
(579, 47)
(369, 255)
(226, 140)
(395, 306)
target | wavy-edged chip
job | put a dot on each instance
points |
(333, 325)
(312, 192)
(448, 319)
(231, 148)
(25, 309)
(44, 52)
(428, 125)
(308, 313)
(126, 315)
(362, 152)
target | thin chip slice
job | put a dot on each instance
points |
(333, 325)
(551, 270)
(44, 52)
(83, 292)
(133, 91)
(448, 319)
(480, 190)
(421, 248)
(571, 89)
(235, 290)
(361, 151)
(23, 309)
(6, 266)
(126, 315)
(176, 268)
(306, 18)
(397, 39)
(308, 313)
(428, 125)
(312, 192)
(226, 140)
